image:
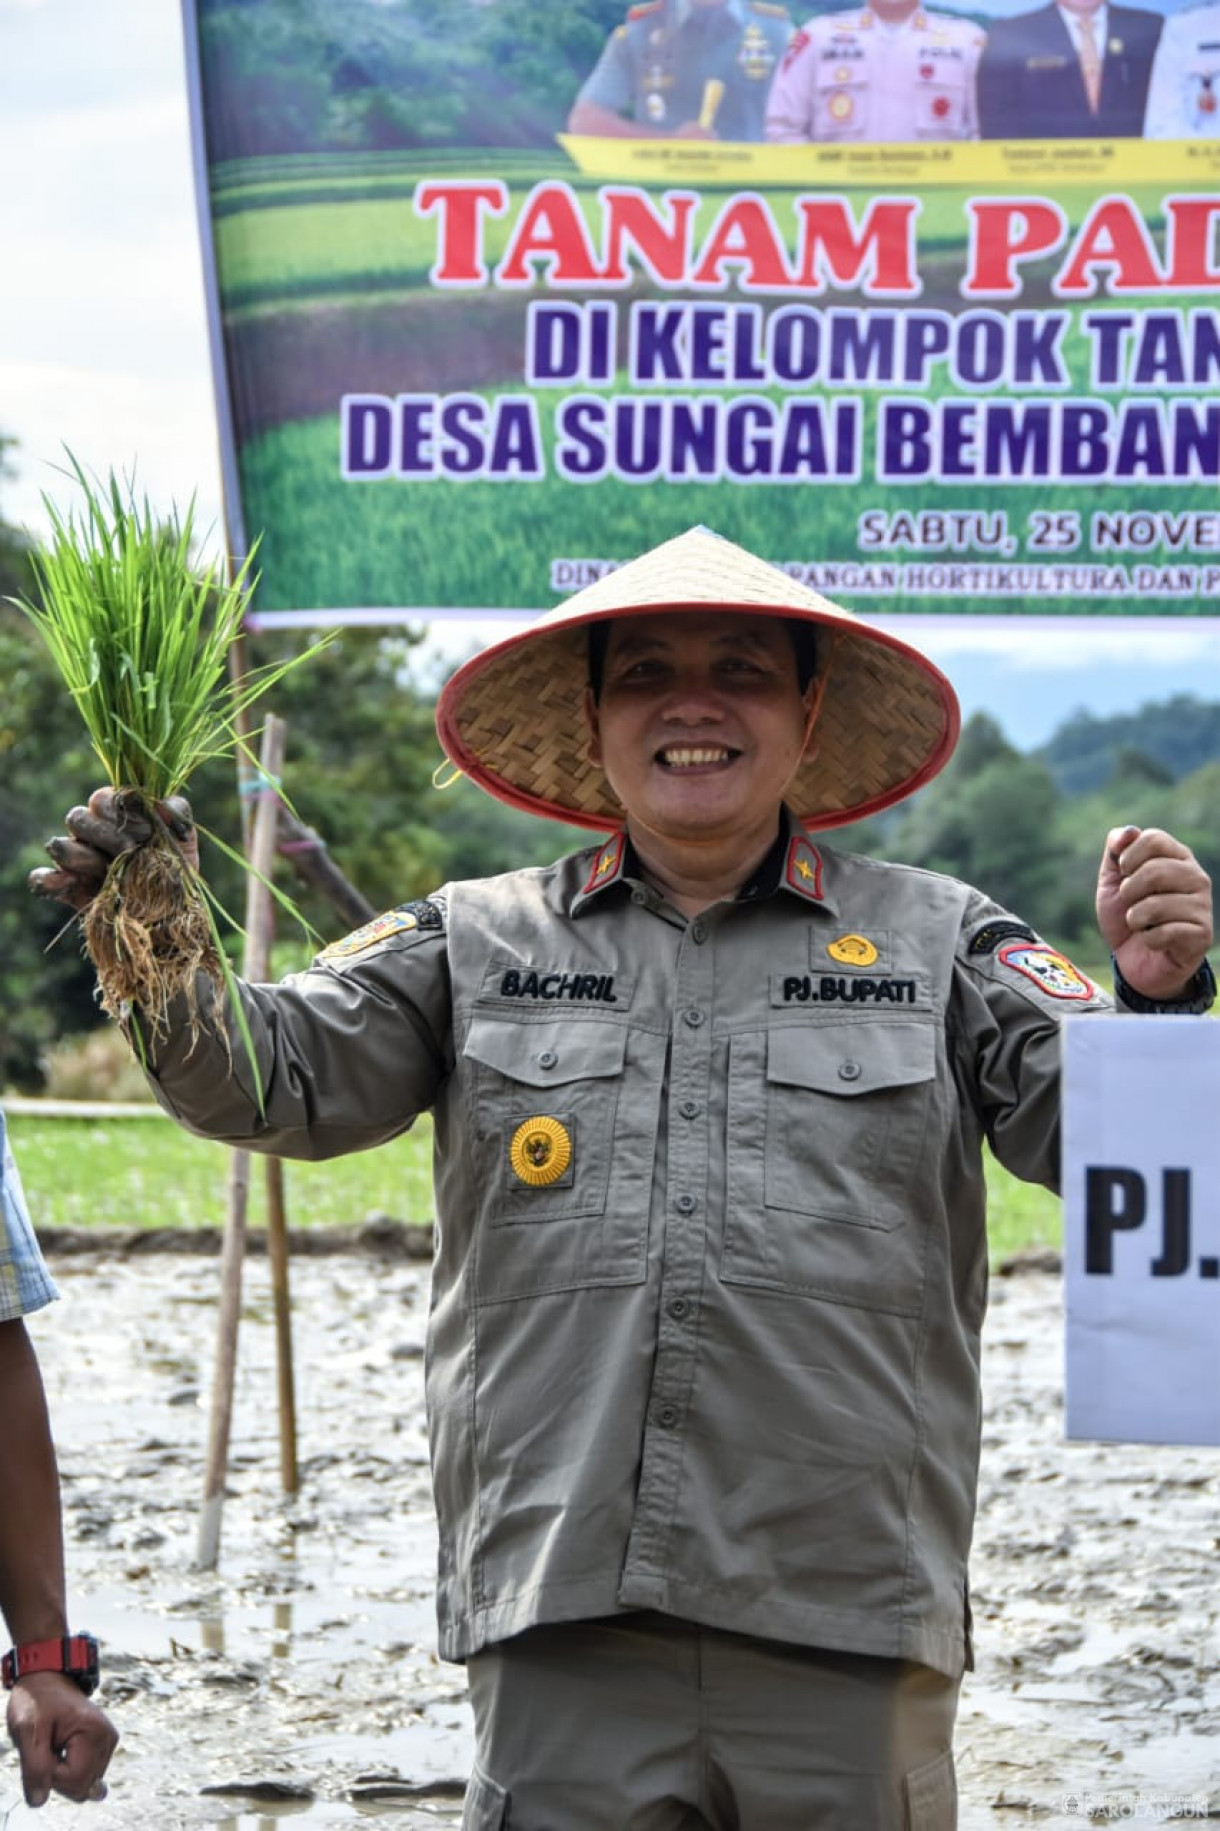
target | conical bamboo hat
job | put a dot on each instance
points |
(512, 718)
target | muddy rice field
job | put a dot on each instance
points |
(298, 1681)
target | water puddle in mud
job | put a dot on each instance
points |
(298, 1685)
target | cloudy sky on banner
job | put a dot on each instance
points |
(104, 345)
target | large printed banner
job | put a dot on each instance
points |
(922, 305)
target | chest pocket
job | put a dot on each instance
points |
(940, 104)
(562, 1147)
(827, 1122)
(841, 100)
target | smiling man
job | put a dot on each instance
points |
(710, 1100)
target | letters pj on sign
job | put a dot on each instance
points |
(1141, 1187)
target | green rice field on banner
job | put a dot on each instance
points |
(961, 376)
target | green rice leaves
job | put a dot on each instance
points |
(141, 636)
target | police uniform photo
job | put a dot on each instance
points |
(675, 63)
(858, 76)
(1184, 93)
(1067, 73)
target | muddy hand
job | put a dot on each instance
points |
(63, 1741)
(96, 835)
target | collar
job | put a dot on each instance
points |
(1100, 22)
(915, 22)
(793, 864)
(731, 9)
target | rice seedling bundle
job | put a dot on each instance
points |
(141, 636)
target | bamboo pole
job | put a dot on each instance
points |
(281, 1296)
(307, 853)
(256, 967)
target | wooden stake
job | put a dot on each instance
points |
(256, 967)
(277, 1254)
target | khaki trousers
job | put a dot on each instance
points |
(644, 1723)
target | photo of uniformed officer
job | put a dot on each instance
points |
(686, 70)
(1072, 71)
(1184, 93)
(887, 71)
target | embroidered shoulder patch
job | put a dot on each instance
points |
(986, 939)
(427, 913)
(393, 922)
(1052, 972)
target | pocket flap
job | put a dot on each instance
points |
(852, 1058)
(544, 1055)
(932, 1795)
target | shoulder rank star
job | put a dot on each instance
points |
(607, 862)
(803, 868)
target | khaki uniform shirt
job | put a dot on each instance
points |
(1184, 93)
(850, 77)
(671, 63)
(710, 1258)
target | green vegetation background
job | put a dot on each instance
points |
(361, 756)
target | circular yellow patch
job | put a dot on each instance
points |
(852, 950)
(840, 107)
(541, 1151)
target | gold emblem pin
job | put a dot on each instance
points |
(541, 1151)
(852, 950)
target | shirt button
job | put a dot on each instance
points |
(698, 932)
(685, 1204)
(850, 1071)
(547, 1058)
(668, 1416)
(678, 1307)
(690, 1109)
(639, 898)
(694, 1017)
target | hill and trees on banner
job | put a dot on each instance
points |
(347, 76)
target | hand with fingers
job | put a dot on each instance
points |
(1154, 909)
(63, 1741)
(96, 835)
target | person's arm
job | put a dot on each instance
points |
(63, 1741)
(994, 82)
(1163, 112)
(1154, 910)
(789, 102)
(970, 119)
(348, 1054)
(602, 123)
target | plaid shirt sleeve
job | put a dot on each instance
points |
(25, 1282)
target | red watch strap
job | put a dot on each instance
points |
(73, 1653)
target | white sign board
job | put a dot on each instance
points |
(1141, 1188)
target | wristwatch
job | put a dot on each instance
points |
(75, 1655)
(1199, 995)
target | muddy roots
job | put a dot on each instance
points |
(150, 935)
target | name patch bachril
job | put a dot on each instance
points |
(592, 988)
